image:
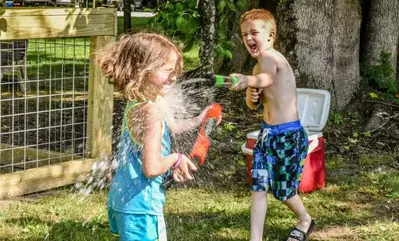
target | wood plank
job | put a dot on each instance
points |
(100, 109)
(30, 23)
(8, 152)
(43, 178)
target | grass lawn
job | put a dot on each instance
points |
(355, 205)
(137, 24)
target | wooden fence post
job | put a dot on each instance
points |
(100, 109)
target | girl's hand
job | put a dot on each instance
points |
(242, 82)
(252, 94)
(182, 172)
(201, 117)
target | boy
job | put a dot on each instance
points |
(282, 144)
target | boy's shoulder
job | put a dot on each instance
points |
(273, 53)
(273, 56)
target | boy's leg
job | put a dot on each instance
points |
(258, 213)
(260, 186)
(304, 219)
(291, 149)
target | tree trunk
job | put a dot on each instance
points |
(397, 66)
(127, 16)
(321, 40)
(381, 34)
(381, 31)
(241, 62)
(207, 15)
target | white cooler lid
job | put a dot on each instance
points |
(313, 108)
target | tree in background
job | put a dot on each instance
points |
(206, 22)
(326, 41)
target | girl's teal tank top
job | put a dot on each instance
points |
(131, 191)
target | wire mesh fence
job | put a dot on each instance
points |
(44, 93)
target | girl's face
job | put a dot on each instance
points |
(165, 76)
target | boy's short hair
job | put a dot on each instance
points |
(260, 14)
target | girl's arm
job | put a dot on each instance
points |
(181, 125)
(153, 163)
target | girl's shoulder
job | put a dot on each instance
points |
(144, 111)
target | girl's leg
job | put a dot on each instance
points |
(258, 213)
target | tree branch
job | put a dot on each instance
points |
(382, 103)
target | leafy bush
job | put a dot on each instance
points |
(380, 75)
(180, 19)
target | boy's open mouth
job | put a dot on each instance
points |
(252, 47)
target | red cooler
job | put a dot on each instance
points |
(313, 109)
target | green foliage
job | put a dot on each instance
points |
(180, 19)
(229, 126)
(336, 118)
(381, 75)
(226, 12)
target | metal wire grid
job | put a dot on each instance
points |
(43, 111)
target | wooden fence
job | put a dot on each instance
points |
(100, 26)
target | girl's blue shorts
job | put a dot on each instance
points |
(137, 227)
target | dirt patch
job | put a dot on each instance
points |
(346, 132)
(338, 233)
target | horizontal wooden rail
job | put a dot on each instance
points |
(43, 178)
(31, 23)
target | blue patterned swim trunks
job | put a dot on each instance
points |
(278, 159)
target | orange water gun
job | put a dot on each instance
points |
(202, 144)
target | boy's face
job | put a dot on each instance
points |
(257, 36)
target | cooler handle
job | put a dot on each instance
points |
(246, 150)
(313, 145)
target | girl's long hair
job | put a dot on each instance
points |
(132, 59)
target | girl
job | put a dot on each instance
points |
(143, 67)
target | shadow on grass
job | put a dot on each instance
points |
(35, 229)
(220, 226)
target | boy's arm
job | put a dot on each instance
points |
(252, 95)
(264, 79)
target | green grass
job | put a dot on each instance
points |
(355, 205)
(138, 24)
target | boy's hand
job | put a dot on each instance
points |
(253, 94)
(182, 172)
(242, 82)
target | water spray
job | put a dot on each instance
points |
(203, 142)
